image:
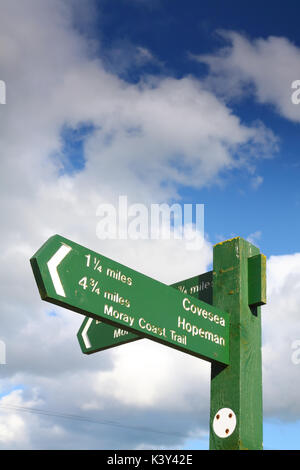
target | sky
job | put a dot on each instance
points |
(161, 101)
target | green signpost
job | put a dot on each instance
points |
(86, 282)
(207, 316)
(236, 391)
(95, 336)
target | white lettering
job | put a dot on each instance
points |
(296, 94)
(107, 227)
(188, 306)
(152, 328)
(195, 331)
(2, 352)
(138, 227)
(118, 332)
(296, 353)
(2, 92)
(176, 222)
(118, 315)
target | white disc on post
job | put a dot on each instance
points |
(224, 422)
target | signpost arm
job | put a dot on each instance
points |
(236, 390)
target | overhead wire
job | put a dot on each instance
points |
(58, 414)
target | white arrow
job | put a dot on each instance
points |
(84, 334)
(52, 266)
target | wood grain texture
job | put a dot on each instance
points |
(239, 385)
(257, 287)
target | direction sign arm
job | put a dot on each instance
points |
(238, 387)
(87, 282)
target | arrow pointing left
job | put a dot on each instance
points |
(52, 264)
(84, 334)
(91, 284)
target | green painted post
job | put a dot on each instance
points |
(236, 390)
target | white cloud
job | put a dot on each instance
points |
(257, 181)
(266, 67)
(281, 327)
(254, 237)
(13, 426)
(146, 375)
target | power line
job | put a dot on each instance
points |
(58, 414)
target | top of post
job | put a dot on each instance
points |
(227, 241)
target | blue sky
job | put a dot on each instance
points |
(172, 32)
(163, 101)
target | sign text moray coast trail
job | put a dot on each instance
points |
(95, 336)
(72, 276)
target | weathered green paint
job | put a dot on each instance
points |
(200, 286)
(257, 288)
(100, 336)
(74, 277)
(238, 386)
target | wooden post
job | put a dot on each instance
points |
(239, 287)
